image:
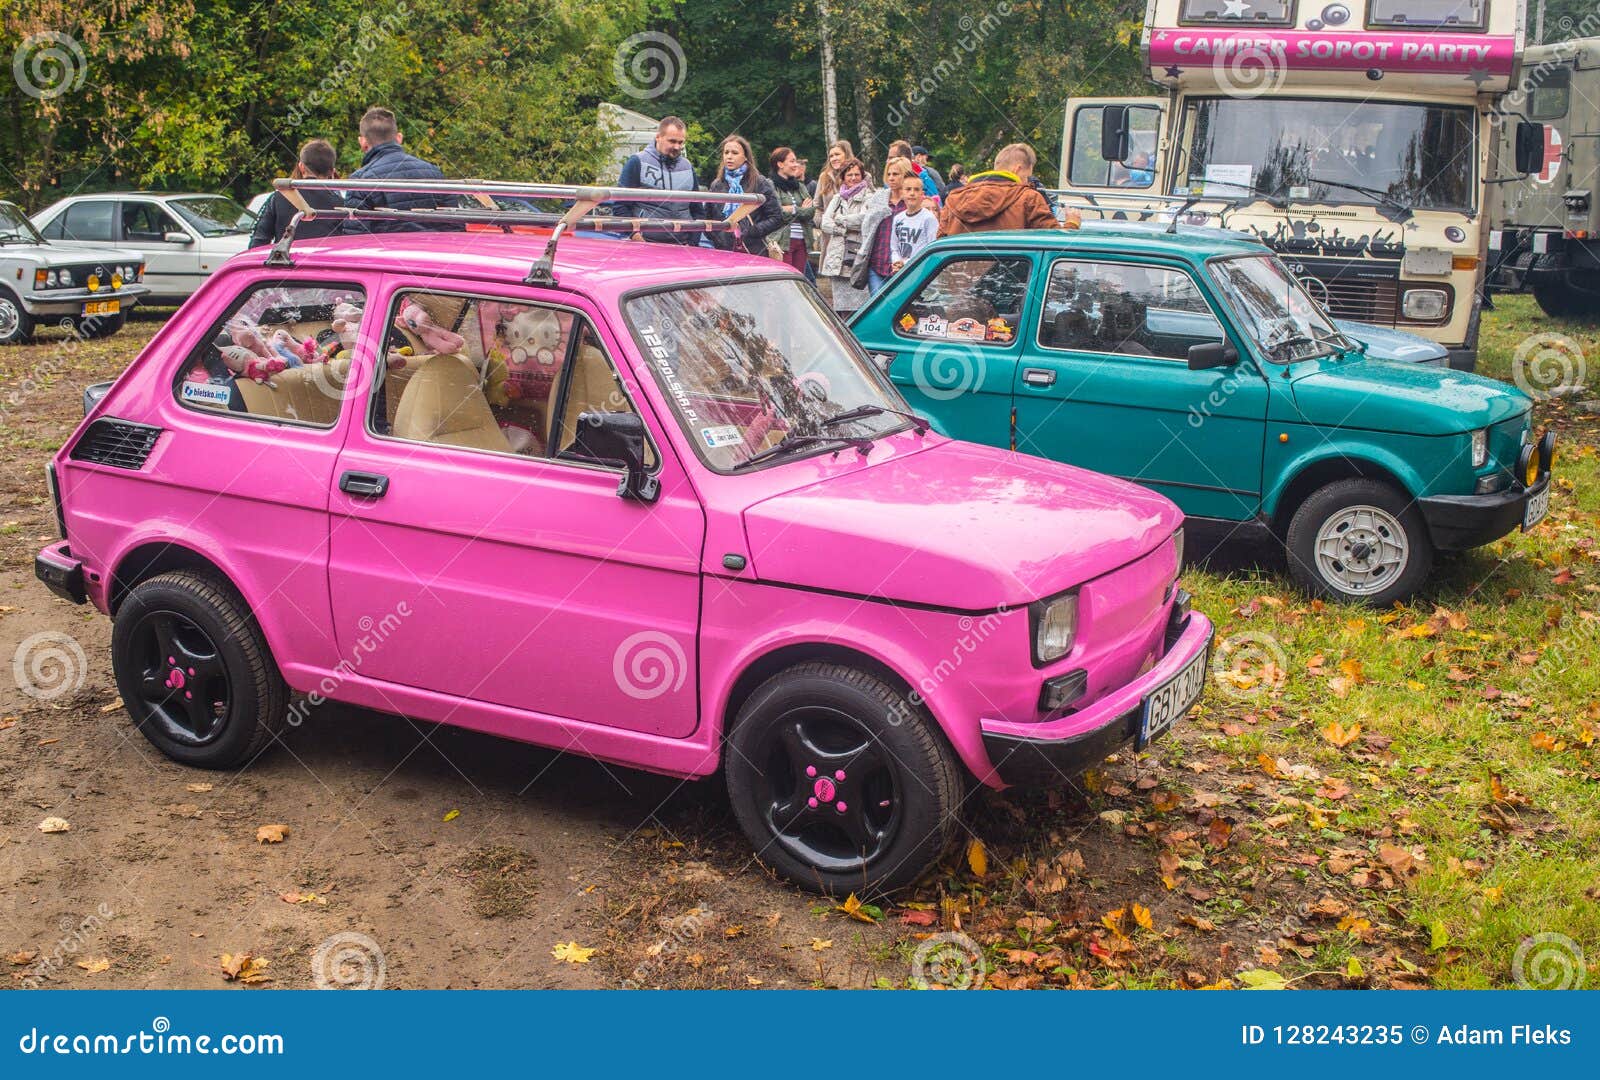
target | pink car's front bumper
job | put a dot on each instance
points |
(1057, 750)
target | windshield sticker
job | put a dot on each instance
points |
(932, 326)
(1229, 180)
(656, 347)
(721, 435)
(908, 322)
(966, 329)
(998, 330)
(206, 393)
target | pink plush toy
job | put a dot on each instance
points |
(415, 318)
(346, 321)
(293, 351)
(532, 337)
(247, 335)
(241, 361)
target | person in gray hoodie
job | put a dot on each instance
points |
(663, 167)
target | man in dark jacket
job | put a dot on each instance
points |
(383, 159)
(316, 163)
(1001, 198)
(664, 168)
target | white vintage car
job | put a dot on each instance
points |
(86, 291)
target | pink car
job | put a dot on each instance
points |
(657, 508)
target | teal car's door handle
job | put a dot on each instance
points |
(1035, 376)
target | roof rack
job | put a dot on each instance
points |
(585, 200)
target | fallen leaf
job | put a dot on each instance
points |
(858, 911)
(113, 707)
(1218, 832)
(23, 958)
(571, 952)
(1141, 915)
(94, 967)
(245, 968)
(1341, 736)
(1261, 979)
(198, 789)
(1352, 969)
(451, 815)
(54, 825)
(302, 898)
(977, 858)
(918, 918)
(1438, 936)
(1165, 801)
(47, 742)
(271, 834)
(819, 944)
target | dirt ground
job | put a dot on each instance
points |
(430, 857)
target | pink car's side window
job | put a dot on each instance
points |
(491, 374)
(280, 353)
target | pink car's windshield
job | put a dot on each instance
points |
(755, 365)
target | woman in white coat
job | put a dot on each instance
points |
(842, 222)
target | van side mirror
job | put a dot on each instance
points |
(616, 438)
(1212, 354)
(1530, 141)
(1115, 142)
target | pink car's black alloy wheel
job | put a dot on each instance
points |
(831, 795)
(183, 682)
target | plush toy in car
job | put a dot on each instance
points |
(533, 338)
(346, 321)
(241, 361)
(437, 339)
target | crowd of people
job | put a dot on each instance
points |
(847, 230)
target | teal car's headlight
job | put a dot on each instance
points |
(1055, 627)
(1480, 448)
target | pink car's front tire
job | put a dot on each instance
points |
(840, 782)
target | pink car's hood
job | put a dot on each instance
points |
(956, 526)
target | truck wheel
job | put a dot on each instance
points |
(1359, 541)
(841, 783)
(194, 671)
(1560, 300)
(16, 325)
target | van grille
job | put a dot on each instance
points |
(1364, 300)
(119, 443)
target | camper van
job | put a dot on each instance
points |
(1351, 137)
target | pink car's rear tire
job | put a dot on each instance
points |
(841, 783)
(194, 671)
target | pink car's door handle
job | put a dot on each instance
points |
(364, 484)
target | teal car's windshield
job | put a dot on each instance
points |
(15, 228)
(214, 215)
(755, 369)
(1274, 309)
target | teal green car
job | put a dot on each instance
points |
(1191, 361)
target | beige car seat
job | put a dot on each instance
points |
(310, 394)
(443, 403)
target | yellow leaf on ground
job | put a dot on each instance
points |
(977, 857)
(852, 908)
(271, 834)
(1141, 915)
(819, 944)
(23, 958)
(245, 968)
(198, 789)
(571, 952)
(54, 825)
(94, 967)
(1341, 736)
(113, 707)
(452, 815)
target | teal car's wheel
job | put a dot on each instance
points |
(1359, 541)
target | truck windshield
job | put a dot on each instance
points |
(755, 369)
(1365, 153)
(1274, 310)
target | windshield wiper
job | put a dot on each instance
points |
(1401, 211)
(792, 443)
(862, 412)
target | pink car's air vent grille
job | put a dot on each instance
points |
(120, 443)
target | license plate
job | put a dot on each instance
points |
(1538, 506)
(1171, 700)
(102, 307)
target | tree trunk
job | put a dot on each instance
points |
(866, 128)
(830, 78)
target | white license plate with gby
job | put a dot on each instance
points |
(1172, 699)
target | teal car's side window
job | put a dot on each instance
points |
(1124, 309)
(977, 300)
